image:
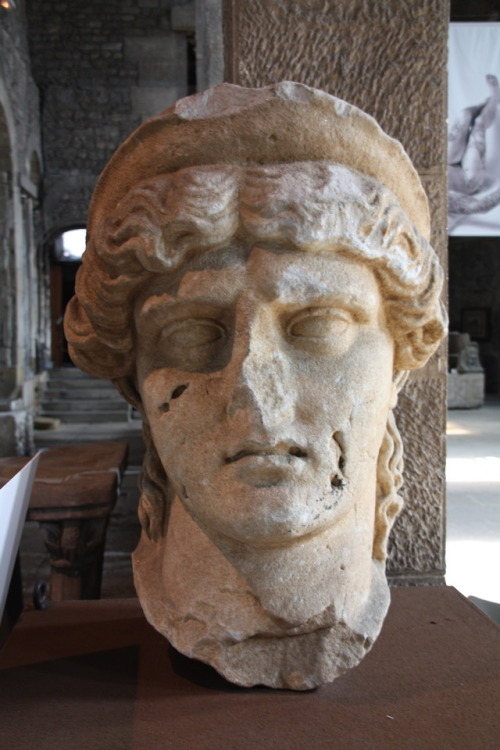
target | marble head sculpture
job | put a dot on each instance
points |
(257, 282)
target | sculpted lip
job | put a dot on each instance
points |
(264, 464)
(283, 450)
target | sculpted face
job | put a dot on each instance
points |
(266, 378)
(257, 281)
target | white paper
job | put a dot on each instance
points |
(14, 501)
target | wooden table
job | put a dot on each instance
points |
(92, 675)
(75, 490)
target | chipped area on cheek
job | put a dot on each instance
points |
(176, 393)
(161, 391)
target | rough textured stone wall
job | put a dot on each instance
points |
(389, 59)
(19, 88)
(209, 44)
(102, 68)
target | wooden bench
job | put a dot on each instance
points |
(75, 490)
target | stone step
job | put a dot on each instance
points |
(86, 417)
(110, 394)
(67, 373)
(79, 384)
(82, 405)
(75, 397)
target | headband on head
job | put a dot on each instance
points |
(285, 122)
(230, 126)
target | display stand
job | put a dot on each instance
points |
(95, 675)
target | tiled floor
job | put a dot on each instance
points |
(473, 511)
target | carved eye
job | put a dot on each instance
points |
(192, 333)
(320, 323)
(193, 343)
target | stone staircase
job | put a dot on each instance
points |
(72, 396)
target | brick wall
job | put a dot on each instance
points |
(102, 68)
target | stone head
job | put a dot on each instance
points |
(258, 281)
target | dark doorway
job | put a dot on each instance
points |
(66, 251)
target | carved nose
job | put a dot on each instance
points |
(264, 388)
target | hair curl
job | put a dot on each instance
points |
(166, 221)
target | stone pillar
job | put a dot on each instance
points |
(209, 45)
(389, 59)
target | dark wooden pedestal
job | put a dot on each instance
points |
(95, 675)
(75, 490)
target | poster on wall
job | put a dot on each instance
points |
(474, 129)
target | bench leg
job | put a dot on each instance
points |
(76, 549)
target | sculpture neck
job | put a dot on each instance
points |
(323, 579)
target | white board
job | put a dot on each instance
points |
(14, 501)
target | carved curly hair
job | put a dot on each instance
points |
(166, 221)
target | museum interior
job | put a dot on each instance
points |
(76, 79)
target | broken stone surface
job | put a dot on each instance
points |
(257, 282)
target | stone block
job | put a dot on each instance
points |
(148, 101)
(465, 390)
(163, 47)
(163, 72)
(209, 44)
(183, 18)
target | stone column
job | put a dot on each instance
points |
(389, 59)
(209, 47)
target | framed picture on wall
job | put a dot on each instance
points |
(474, 129)
(476, 322)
